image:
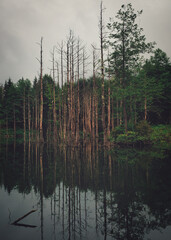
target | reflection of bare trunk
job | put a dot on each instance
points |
(63, 208)
(105, 201)
(29, 164)
(85, 206)
(96, 210)
(54, 158)
(41, 188)
(105, 215)
(110, 171)
(69, 213)
(24, 165)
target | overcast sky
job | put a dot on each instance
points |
(23, 22)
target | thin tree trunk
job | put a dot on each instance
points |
(113, 120)
(24, 115)
(135, 112)
(102, 73)
(78, 93)
(145, 108)
(94, 89)
(120, 112)
(68, 87)
(97, 115)
(32, 121)
(109, 123)
(124, 78)
(14, 122)
(29, 117)
(54, 100)
(84, 130)
(125, 115)
(117, 113)
(36, 114)
(41, 93)
(62, 83)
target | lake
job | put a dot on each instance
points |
(84, 192)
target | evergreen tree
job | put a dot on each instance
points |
(128, 43)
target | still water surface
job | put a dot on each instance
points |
(84, 193)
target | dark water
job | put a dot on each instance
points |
(84, 193)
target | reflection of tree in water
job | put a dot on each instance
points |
(129, 214)
(131, 188)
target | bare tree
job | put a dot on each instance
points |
(41, 139)
(101, 26)
(54, 99)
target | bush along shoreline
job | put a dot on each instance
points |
(143, 134)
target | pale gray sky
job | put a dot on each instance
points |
(23, 22)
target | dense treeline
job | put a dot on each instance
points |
(123, 89)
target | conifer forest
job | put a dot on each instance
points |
(127, 92)
(85, 146)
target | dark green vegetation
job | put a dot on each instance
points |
(128, 102)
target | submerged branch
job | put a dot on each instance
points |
(19, 219)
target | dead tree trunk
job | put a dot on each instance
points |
(24, 115)
(108, 126)
(93, 103)
(102, 71)
(54, 100)
(78, 93)
(41, 92)
(62, 101)
(68, 88)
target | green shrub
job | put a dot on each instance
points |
(129, 138)
(143, 129)
(161, 133)
(117, 131)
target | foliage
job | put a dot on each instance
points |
(161, 133)
(128, 138)
(117, 131)
(143, 129)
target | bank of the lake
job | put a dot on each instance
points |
(143, 134)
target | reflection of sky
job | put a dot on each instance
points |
(14, 206)
(160, 235)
